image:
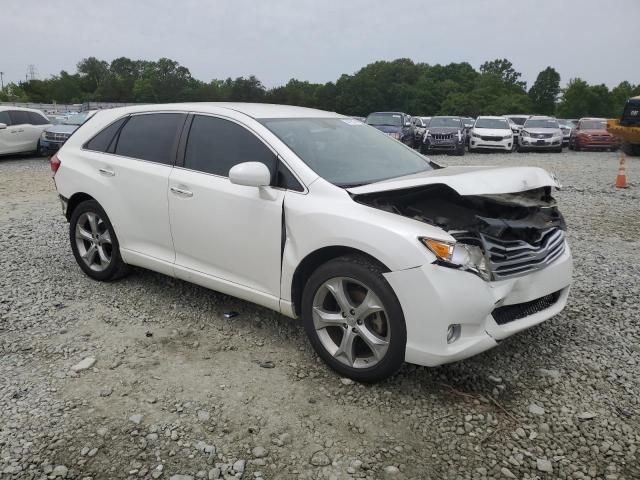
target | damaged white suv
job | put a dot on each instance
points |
(386, 256)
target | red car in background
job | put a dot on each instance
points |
(592, 133)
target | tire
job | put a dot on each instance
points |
(460, 151)
(558, 150)
(631, 149)
(576, 147)
(90, 228)
(354, 279)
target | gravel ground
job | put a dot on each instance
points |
(147, 378)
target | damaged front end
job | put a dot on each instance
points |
(498, 236)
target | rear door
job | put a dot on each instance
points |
(133, 174)
(230, 233)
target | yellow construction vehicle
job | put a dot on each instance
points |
(628, 127)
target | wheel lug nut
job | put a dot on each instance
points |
(344, 315)
(354, 330)
(352, 312)
(345, 325)
(359, 322)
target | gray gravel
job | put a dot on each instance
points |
(147, 378)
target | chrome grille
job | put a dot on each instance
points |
(491, 139)
(512, 258)
(542, 135)
(600, 138)
(442, 136)
(56, 137)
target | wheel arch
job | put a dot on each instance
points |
(75, 200)
(316, 258)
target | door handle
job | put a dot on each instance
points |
(181, 191)
(107, 172)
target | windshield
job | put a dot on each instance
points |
(385, 119)
(495, 123)
(542, 123)
(468, 122)
(345, 152)
(593, 125)
(565, 123)
(453, 122)
(77, 119)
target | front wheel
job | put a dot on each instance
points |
(94, 242)
(354, 320)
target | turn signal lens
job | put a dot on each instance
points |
(442, 250)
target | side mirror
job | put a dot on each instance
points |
(407, 124)
(3, 126)
(250, 174)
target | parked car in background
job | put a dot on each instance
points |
(395, 124)
(20, 129)
(491, 133)
(385, 256)
(519, 120)
(362, 119)
(54, 136)
(567, 126)
(468, 125)
(444, 134)
(591, 133)
(541, 133)
(420, 126)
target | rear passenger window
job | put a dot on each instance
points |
(19, 117)
(37, 119)
(215, 145)
(4, 118)
(150, 136)
(104, 141)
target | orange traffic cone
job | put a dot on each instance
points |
(621, 179)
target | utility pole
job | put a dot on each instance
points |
(1, 81)
(32, 72)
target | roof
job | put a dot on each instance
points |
(541, 117)
(254, 110)
(498, 117)
(597, 119)
(4, 108)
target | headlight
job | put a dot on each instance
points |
(474, 134)
(524, 133)
(508, 137)
(467, 257)
(44, 135)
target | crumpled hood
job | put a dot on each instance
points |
(387, 128)
(62, 129)
(469, 180)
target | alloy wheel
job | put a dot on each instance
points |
(351, 322)
(93, 241)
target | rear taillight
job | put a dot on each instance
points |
(55, 163)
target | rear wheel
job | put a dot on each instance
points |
(94, 242)
(354, 320)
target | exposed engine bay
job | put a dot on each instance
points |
(517, 232)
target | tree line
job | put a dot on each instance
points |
(398, 85)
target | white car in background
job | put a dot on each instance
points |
(20, 129)
(386, 256)
(491, 133)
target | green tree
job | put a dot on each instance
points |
(503, 69)
(545, 91)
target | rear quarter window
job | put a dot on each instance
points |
(37, 119)
(104, 141)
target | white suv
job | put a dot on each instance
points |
(386, 256)
(20, 129)
(491, 133)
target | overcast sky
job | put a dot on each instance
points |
(318, 40)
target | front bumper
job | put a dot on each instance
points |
(443, 145)
(540, 143)
(592, 143)
(505, 144)
(50, 145)
(433, 297)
